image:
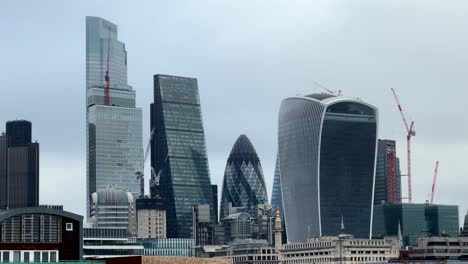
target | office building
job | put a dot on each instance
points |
(19, 167)
(341, 249)
(114, 138)
(414, 221)
(387, 174)
(111, 208)
(99, 243)
(327, 152)
(40, 234)
(178, 152)
(151, 215)
(243, 183)
(440, 249)
(173, 247)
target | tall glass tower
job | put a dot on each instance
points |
(114, 138)
(178, 152)
(387, 174)
(276, 196)
(243, 184)
(327, 153)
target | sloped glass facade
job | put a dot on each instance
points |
(178, 151)
(327, 152)
(243, 183)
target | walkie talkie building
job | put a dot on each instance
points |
(327, 152)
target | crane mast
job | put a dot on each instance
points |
(434, 182)
(140, 174)
(106, 77)
(410, 132)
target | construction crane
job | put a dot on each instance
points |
(141, 174)
(106, 77)
(338, 93)
(155, 179)
(410, 133)
(434, 182)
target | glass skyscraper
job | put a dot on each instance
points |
(243, 184)
(327, 153)
(178, 152)
(114, 132)
(387, 174)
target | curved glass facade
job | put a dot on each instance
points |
(243, 184)
(327, 148)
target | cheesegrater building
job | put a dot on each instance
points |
(178, 152)
(327, 154)
(114, 138)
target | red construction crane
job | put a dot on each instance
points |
(106, 77)
(410, 133)
(434, 181)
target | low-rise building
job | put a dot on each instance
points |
(40, 234)
(175, 247)
(247, 251)
(342, 249)
(440, 248)
(101, 243)
(166, 260)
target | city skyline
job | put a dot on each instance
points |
(419, 83)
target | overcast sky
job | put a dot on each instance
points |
(247, 56)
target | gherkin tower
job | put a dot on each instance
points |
(243, 183)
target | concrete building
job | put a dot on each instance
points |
(327, 156)
(342, 249)
(40, 234)
(414, 221)
(440, 249)
(178, 152)
(111, 208)
(151, 218)
(202, 226)
(114, 136)
(246, 251)
(101, 243)
(19, 167)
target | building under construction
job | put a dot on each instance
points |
(387, 174)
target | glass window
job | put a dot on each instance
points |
(6, 256)
(16, 256)
(53, 257)
(69, 227)
(37, 256)
(26, 257)
(45, 256)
